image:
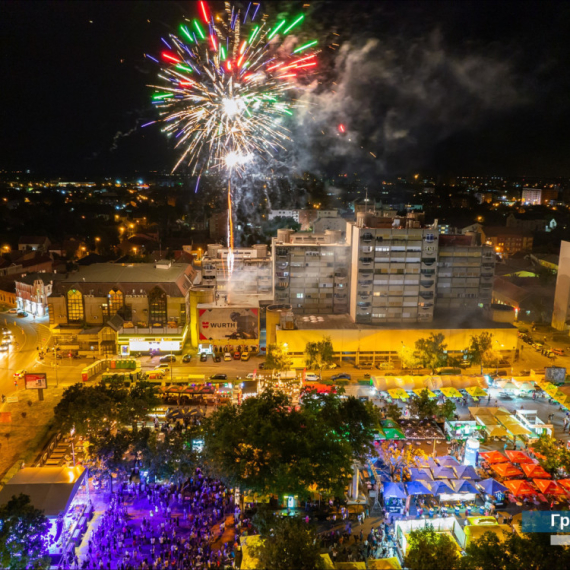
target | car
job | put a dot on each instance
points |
(19, 374)
(464, 364)
(4, 347)
(168, 358)
(558, 351)
(524, 373)
(367, 376)
(227, 357)
(384, 366)
(22, 314)
(342, 376)
(310, 377)
(364, 366)
(219, 377)
(187, 358)
(333, 366)
(203, 357)
(12, 311)
(237, 355)
(162, 366)
(245, 356)
(217, 358)
(250, 376)
(262, 366)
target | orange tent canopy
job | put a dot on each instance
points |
(519, 487)
(493, 457)
(506, 470)
(565, 483)
(536, 453)
(549, 487)
(533, 470)
(519, 457)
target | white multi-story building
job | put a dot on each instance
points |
(532, 196)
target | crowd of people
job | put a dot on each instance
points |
(159, 527)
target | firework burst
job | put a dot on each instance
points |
(225, 85)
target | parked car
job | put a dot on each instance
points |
(464, 364)
(237, 355)
(364, 366)
(262, 366)
(310, 377)
(187, 358)
(558, 351)
(342, 376)
(250, 376)
(167, 358)
(22, 314)
(245, 356)
(217, 358)
(162, 366)
(4, 347)
(219, 377)
(227, 357)
(13, 311)
(203, 357)
(19, 374)
(384, 366)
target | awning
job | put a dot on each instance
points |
(564, 483)
(447, 461)
(417, 488)
(394, 491)
(440, 488)
(493, 457)
(506, 470)
(392, 433)
(398, 394)
(389, 424)
(491, 487)
(451, 392)
(548, 487)
(466, 472)
(519, 487)
(443, 473)
(422, 474)
(496, 431)
(419, 391)
(519, 457)
(532, 470)
(462, 486)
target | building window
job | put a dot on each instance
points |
(75, 313)
(116, 301)
(299, 295)
(157, 306)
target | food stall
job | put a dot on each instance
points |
(394, 496)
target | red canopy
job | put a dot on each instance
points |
(533, 470)
(565, 483)
(519, 457)
(506, 470)
(549, 487)
(519, 487)
(493, 457)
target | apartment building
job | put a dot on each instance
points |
(465, 273)
(311, 271)
(394, 270)
(507, 241)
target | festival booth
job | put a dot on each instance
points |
(462, 430)
(62, 493)
(448, 525)
(416, 384)
(494, 493)
(394, 495)
(420, 430)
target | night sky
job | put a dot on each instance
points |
(452, 87)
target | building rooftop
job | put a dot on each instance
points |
(46, 277)
(25, 240)
(491, 231)
(129, 273)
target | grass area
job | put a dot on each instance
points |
(20, 439)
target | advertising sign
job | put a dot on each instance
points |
(35, 381)
(555, 374)
(229, 324)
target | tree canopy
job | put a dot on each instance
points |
(430, 550)
(319, 355)
(278, 358)
(268, 446)
(399, 461)
(431, 351)
(480, 347)
(422, 406)
(288, 543)
(557, 456)
(23, 535)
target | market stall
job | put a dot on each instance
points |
(493, 492)
(533, 470)
(461, 430)
(493, 457)
(518, 457)
(506, 470)
(466, 472)
(394, 495)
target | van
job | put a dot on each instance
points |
(310, 377)
(245, 356)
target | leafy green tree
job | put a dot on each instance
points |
(422, 406)
(319, 355)
(486, 552)
(23, 535)
(278, 358)
(557, 456)
(431, 351)
(431, 550)
(479, 347)
(393, 411)
(289, 543)
(408, 357)
(268, 446)
(446, 410)
(399, 461)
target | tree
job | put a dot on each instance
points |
(393, 411)
(23, 535)
(399, 461)
(479, 347)
(278, 358)
(486, 552)
(422, 406)
(408, 357)
(556, 456)
(289, 543)
(319, 355)
(446, 410)
(430, 550)
(431, 351)
(268, 446)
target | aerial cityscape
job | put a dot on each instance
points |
(285, 285)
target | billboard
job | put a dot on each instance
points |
(35, 381)
(228, 324)
(555, 374)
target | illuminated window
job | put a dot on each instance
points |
(115, 301)
(75, 313)
(157, 306)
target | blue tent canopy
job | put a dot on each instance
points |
(440, 488)
(443, 473)
(466, 472)
(379, 463)
(423, 462)
(447, 461)
(491, 487)
(421, 474)
(462, 486)
(394, 490)
(417, 488)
